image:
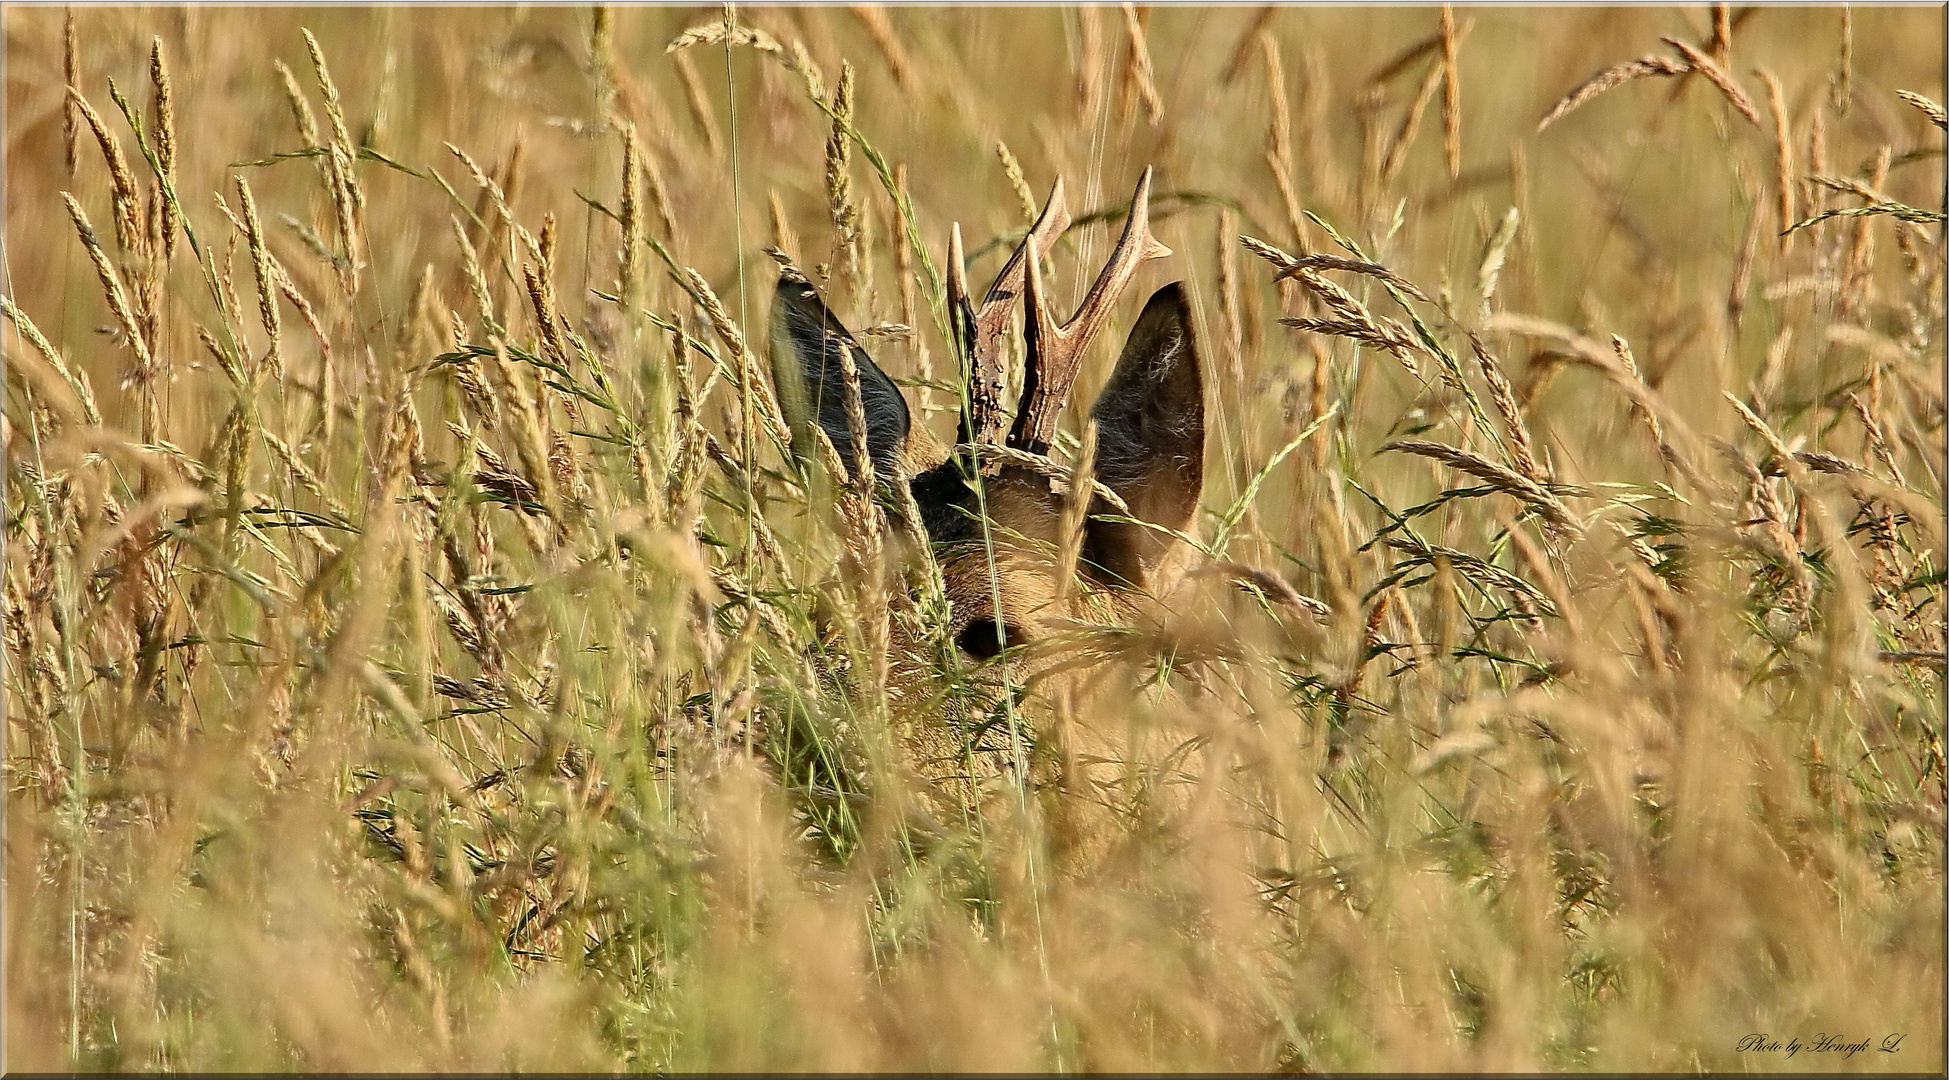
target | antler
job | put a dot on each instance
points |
(1056, 352)
(981, 333)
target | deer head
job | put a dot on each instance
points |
(1002, 531)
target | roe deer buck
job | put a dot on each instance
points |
(996, 523)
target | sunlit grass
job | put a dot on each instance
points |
(422, 652)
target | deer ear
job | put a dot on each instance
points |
(1150, 442)
(806, 340)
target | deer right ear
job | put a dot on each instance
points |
(1150, 446)
(806, 344)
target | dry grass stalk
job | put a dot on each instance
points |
(1520, 447)
(1548, 581)
(630, 262)
(865, 532)
(502, 199)
(698, 99)
(1279, 130)
(70, 107)
(300, 472)
(348, 198)
(487, 221)
(783, 239)
(1012, 169)
(147, 276)
(1877, 438)
(474, 392)
(840, 204)
(1719, 77)
(1608, 79)
(1138, 79)
(1069, 531)
(1856, 271)
(1451, 93)
(910, 313)
(808, 69)
(548, 316)
(1841, 88)
(1495, 254)
(1316, 403)
(1233, 338)
(76, 378)
(1389, 338)
(1279, 138)
(1796, 474)
(1629, 365)
(1847, 185)
(770, 415)
(1397, 148)
(1297, 265)
(1405, 59)
(1089, 59)
(1782, 155)
(129, 231)
(476, 278)
(1742, 267)
(880, 28)
(118, 302)
(1502, 479)
(1469, 567)
(724, 30)
(1766, 385)
(858, 459)
(1370, 645)
(165, 121)
(228, 297)
(1656, 413)
(660, 198)
(602, 60)
(344, 151)
(546, 243)
(1773, 519)
(1817, 156)
(260, 259)
(1354, 320)
(1720, 44)
(300, 107)
(529, 430)
(1248, 41)
(1929, 108)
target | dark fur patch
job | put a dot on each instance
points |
(806, 339)
(1150, 446)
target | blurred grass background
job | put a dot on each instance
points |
(343, 765)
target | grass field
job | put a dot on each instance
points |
(420, 652)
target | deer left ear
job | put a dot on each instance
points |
(806, 343)
(1150, 443)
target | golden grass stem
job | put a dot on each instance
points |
(260, 258)
(129, 232)
(165, 121)
(1139, 82)
(1451, 93)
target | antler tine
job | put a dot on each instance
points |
(1056, 352)
(984, 329)
(960, 311)
(957, 269)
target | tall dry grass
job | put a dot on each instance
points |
(421, 653)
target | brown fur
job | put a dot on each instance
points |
(997, 529)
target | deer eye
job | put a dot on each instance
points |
(982, 639)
